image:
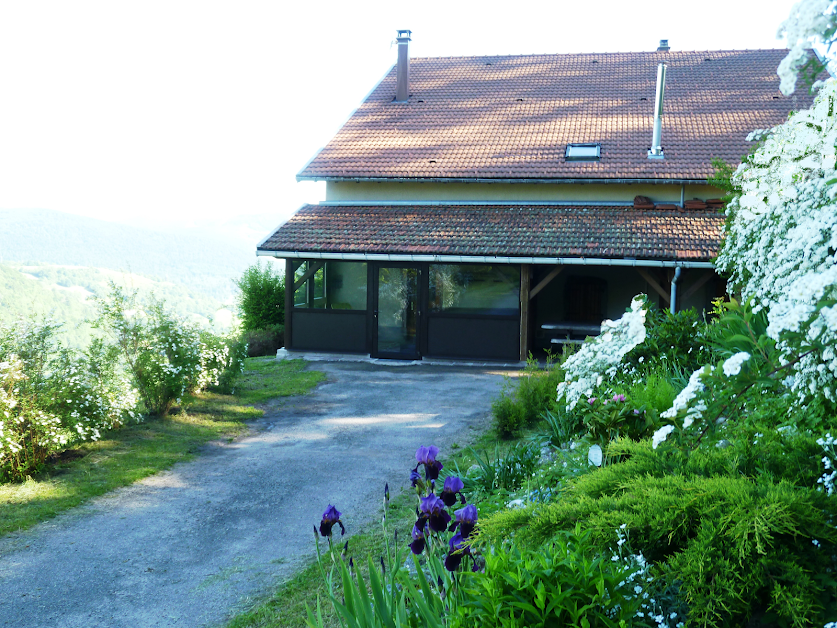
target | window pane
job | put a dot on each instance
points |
(330, 285)
(475, 289)
(345, 285)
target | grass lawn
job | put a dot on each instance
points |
(136, 451)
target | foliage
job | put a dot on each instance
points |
(262, 342)
(812, 22)
(166, 357)
(52, 397)
(737, 530)
(261, 303)
(607, 419)
(569, 582)
(525, 399)
(507, 470)
(599, 357)
(781, 238)
(672, 342)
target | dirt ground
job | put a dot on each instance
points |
(193, 546)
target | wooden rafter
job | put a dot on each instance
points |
(308, 274)
(653, 283)
(698, 284)
(543, 283)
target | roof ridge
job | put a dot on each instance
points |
(568, 54)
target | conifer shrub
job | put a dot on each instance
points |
(740, 531)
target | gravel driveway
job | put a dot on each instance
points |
(194, 545)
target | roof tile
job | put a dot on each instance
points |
(503, 231)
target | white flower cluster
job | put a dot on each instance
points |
(20, 422)
(640, 576)
(805, 27)
(600, 356)
(732, 366)
(827, 479)
(780, 246)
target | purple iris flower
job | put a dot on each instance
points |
(591, 400)
(619, 398)
(415, 478)
(466, 519)
(419, 542)
(433, 510)
(427, 457)
(453, 487)
(330, 517)
(458, 551)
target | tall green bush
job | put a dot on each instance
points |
(261, 304)
(167, 357)
(52, 397)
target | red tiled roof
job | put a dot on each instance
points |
(511, 117)
(502, 231)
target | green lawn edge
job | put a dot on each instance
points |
(140, 450)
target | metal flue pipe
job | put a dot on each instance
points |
(656, 151)
(402, 71)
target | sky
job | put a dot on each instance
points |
(180, 113)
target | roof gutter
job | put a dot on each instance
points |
(300, 177)
(484, 259)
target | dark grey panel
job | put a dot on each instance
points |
(326, 330)
(485, 338)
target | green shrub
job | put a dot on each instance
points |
(741, 531)
(261, 304)
(524, 400)
(673, 341)
(568, 582)
(264, 341)
(52, 397)
(167, 357)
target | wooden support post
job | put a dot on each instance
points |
(289, 301)
(543, 283)
(698, 284)
(524, 311)
(653, 283)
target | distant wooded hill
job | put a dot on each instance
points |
(202, 261)
(63, 292)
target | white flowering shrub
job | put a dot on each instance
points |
(812, 22)
(52, 398)
(168, 358)
(599, 358)
(780, 246)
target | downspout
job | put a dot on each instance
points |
(675, 280)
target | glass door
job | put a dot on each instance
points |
(397, 312)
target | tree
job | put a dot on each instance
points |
(261, 304)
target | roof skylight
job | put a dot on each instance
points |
(583, 152)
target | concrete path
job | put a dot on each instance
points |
(193, 546)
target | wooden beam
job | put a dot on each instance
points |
(289, 302)
(543, 283)
(698, 284)
(308, 274)
(524, 311)
(653, 283)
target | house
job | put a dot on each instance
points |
(485, 207)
